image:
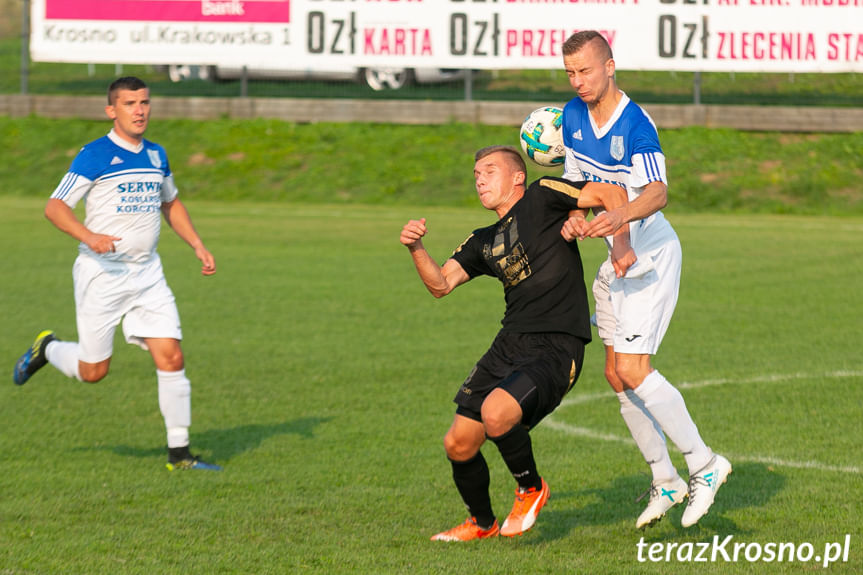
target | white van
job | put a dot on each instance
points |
(376, 78)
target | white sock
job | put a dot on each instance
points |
(648, 436)
(667, 407)
(175, 402)
(64, 356)
(178, 436)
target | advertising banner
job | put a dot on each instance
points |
(682, 35)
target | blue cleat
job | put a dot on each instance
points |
(33, 359)
(192, 462)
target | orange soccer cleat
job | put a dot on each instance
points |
(525, 510)
(467, 531)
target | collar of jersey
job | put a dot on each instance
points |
(618, 111)
(112, 135)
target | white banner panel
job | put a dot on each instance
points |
(683, 35)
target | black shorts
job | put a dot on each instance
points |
(537, 369)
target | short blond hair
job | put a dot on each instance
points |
(513, 158)
(581, 39)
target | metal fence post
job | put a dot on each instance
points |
(468, 85)
(25, 47)
(696, 89)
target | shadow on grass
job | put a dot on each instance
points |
(225, 444)
(751, 485)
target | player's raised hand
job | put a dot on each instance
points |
(101, 243)
(412, 232)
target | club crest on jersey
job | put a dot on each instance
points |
(156, 160)
(617, 147)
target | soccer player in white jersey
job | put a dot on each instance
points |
(609, 138)
(126, 184)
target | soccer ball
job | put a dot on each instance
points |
(541, 136)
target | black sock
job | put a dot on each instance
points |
(472, 481)
(179, 453)
(517, 452)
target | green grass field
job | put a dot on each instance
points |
(323, 375)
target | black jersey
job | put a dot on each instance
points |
(542, 274)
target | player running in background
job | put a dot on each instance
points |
(608, 138)
(126, 184)
(537, 355)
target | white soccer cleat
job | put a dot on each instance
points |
(703, 486)
(663, 496)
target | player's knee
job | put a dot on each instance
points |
(92, 373)
(176, 364)
(457, 448)
(172, 361)
(497, 422)
(451, 446)
(500, 413)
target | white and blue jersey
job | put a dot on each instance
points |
(632, 312)
(124, 186)
(625, 152)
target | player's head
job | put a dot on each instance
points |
(499, 174)
(129, 108)
(589, 64)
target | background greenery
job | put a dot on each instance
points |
(709, 169)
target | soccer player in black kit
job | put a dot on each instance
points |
(536, 357)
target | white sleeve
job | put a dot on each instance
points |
(571, 171)
(72, 188)
(169, 189)
(646, 168)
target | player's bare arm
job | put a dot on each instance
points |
(597, 195)
(439, 280)
(653, 198)
(65, 220)
(609, 198)
(178, 218)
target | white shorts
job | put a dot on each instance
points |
(633, 312)
(108, 293)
